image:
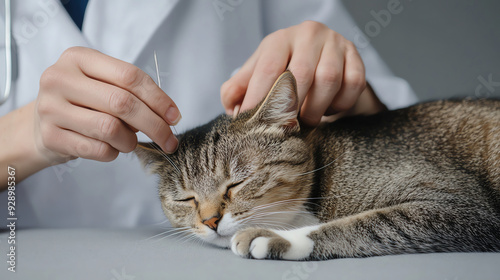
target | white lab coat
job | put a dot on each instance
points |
(199, 44)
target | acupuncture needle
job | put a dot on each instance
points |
(158, 77)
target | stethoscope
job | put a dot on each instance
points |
(8, 53)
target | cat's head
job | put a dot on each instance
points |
(252, 170)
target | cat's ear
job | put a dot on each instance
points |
(280, 107)
(150, 155)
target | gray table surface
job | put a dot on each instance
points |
(135, 254)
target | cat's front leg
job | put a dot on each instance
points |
(261, 243)
(412, 227)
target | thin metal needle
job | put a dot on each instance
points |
(158, 77)
(157, 69)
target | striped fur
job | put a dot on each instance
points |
(417, 180)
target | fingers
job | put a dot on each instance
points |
(328, 69)
(353, 82)
(90, 79)
(90, 105)
(67, 142)
(123, 105)
(271, 62)
(306, 55)
(327, 81)
(233, 90)
(96, 125)
(126, 76)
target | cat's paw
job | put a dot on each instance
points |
(273, 244)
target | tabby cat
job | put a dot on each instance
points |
(417, 180)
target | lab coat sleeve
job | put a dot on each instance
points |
(393, 91)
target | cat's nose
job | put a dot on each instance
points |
(212, 222)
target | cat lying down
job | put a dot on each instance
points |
(417, 180)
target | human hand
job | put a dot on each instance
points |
(90, 105)
(329, 71)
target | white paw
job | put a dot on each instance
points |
(301, 245)
(275, 244)
(259, 247)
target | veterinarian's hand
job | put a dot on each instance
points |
(90, 105)
(329, 72)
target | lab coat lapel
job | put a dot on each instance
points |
(130, 24)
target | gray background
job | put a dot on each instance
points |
(139, 254)
(440, 47)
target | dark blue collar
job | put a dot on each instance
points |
(76, 9)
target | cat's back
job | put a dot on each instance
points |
(439, 114)
(465, 131)
(444, 124)
(452, 144)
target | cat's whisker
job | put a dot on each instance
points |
(264, 223)
(292, 208)
(186, 237)
(262, 218)
(293, 200)
(281, 206)
(409, 174)
(166, 157)
(306, 201)
(189, 235)
(166, 227)
(154, 236)
(265, 214)
(278, 204)
(169, 230)
(284, 212)
(288, 207)
(178, 229)
(197, 241)
(271, 224)
(174, 235)
(276, 216)
(281, 201)
(268, 220)
(189, 238)
(281, 211)
(160, 223)
(168, 233)
(273, 204)
(324, 166)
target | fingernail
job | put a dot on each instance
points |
(173, 115)
(172, 144)
(236, 110)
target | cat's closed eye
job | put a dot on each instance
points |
(189, 199)
(418, 180)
